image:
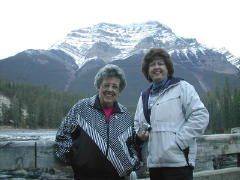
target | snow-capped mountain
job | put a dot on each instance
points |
(72, 63)
(230, 57)
(111, 42)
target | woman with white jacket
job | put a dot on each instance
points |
(169, 118)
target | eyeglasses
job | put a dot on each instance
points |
(113, 86)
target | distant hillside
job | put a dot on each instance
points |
(203, 80)
(28, 106)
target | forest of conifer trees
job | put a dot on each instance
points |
(34, 106)
(223, 105)
(40, 107)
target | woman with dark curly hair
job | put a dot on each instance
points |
(169, 117)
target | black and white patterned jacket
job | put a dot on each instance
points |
(87, 142)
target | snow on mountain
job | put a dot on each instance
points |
(111, 42)
(231, 58)
(71, 63)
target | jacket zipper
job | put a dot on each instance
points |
(107, 139)
(161, 93)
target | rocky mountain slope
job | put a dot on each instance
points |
(71, 63)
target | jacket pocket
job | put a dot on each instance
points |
(163, 148)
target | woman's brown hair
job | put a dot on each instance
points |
(154, 54)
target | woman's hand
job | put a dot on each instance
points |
(143, 136)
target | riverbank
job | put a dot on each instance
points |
(11, 134)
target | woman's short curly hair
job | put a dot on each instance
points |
(110, 70)
(154, 54)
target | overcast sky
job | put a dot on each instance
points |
(37, 24)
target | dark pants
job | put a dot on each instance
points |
(171, 173)
(92, 177)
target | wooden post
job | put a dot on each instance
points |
(238, 160)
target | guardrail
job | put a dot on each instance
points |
(41, 154)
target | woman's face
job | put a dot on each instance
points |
(157, 70)
(109, 91)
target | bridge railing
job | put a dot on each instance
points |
(41, 154)
(211, 149)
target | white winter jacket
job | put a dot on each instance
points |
(177, 117)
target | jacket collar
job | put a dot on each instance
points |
(169, 82)
(145, 95)
(95, 103)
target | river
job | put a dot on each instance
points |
(26, 134)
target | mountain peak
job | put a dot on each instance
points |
(230, 57)
(110, 42)
(124, 41)
(71, 63)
